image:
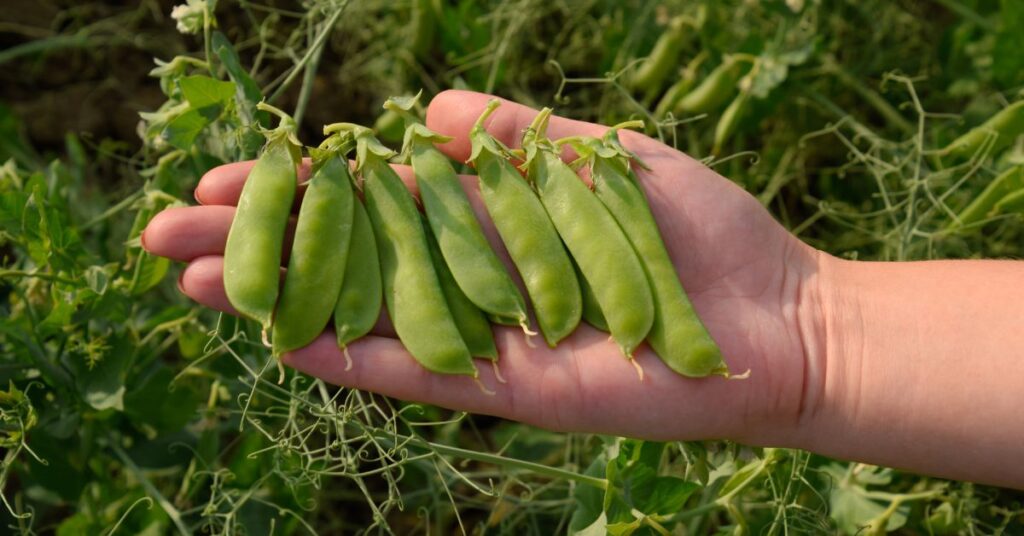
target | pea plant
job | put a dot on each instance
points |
(126, 408)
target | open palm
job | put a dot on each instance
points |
(748, 278)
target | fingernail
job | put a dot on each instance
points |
(195, 194)
(142, 239)
(181, 278)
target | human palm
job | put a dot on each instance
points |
(748, 278)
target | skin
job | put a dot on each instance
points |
(914, 365)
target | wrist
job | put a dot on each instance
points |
(833, 321)
(821, 322)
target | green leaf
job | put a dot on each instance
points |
(61, 476)
(202, 91)
(589, 502)
(771, 74)
(182, 131)
(102, 386)
(151, 272)
(157, 403)
(667, 495)
(247, 88)
(852, 510)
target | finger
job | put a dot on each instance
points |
(185, 233)
(454, 112)
(222, 185)
(203, 281)
(582, 385)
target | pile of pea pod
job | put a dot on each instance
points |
(593, 255)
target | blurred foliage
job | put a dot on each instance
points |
(126, 408)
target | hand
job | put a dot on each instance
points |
(752, 283)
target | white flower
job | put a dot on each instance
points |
(190, 16)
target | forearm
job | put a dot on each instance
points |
(921, 368)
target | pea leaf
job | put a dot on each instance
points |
(589, 518)
(182, 131)
(158, 403)
(151, 271)
(102, 386)
(202, 91)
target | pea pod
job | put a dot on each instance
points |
(360, 298)
(252, 254)
(663, 56)
(730, 120)
(713, 91)
(467, 253)
(999, 131)
(1011, 203)
(471, 321)
(677, 335)
(683, 86)
(412, 292)
(591, 309)
(981, 207)
(319, 252)
(528, 234)
(594, 239)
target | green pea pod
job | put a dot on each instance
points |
(1011, 203)
(730, 120)
(713, 91)
(591, 309)
(471, 321)
(595, 240)
(683, 86)
(423, 22)
(677, 335)
(252, 255)
(998, 132)
(359, 301)
(528, 234)
(663, 57)
(467, 253)
(981, 207)
(318, 255)
(412, 292)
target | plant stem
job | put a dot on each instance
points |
(872, 97)
(169, 508)
(495, 459)
(320, 40)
